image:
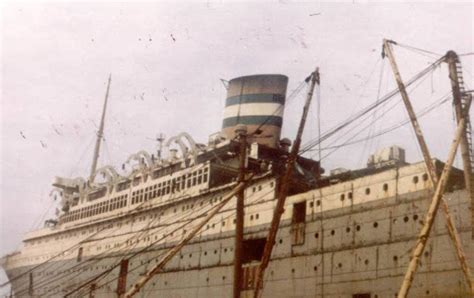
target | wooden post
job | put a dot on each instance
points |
(91, 292)
(241, 131)
(30, 285)
(452, 59)
(283, 190)
(172, 252)
(122, 279)
(429, 164)
(430, 216)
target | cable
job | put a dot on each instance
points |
(392, 128)
(232, 213)
(133, 236)
(414, 49)
(277, 110)
(146, 248)
(309, 145)
(381, 116)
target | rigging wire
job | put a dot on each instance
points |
(133, 236)
(163, 227)
(232, 213)
(146, 248)
(373, 128)
(379, 117)
(292, 95)
(71, 247)
(420, 51)
(424, 112)
(312, 143)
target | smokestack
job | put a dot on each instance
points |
(257, 102)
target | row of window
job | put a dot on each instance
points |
(170, 186)
(99, 208)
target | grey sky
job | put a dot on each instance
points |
(166, 61)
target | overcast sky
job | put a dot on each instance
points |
(166, 62)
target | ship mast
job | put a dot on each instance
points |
(100, 133)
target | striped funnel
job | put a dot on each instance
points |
(258, 102)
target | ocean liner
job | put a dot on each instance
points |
(246, 215)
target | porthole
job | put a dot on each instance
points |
(415, 179)
(424, 177)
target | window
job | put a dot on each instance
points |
(79, 254)
(299, 212)
(298, 223)
(252, 250)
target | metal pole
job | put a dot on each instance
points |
(283, 189)
(172, 252)
(452, 59)
(100, 133)
(122, 279)
(430, 216)
(239, 218)
(428, 162)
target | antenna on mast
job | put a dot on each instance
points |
(100, 133)
(160, 139)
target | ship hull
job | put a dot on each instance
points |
(360, 249)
